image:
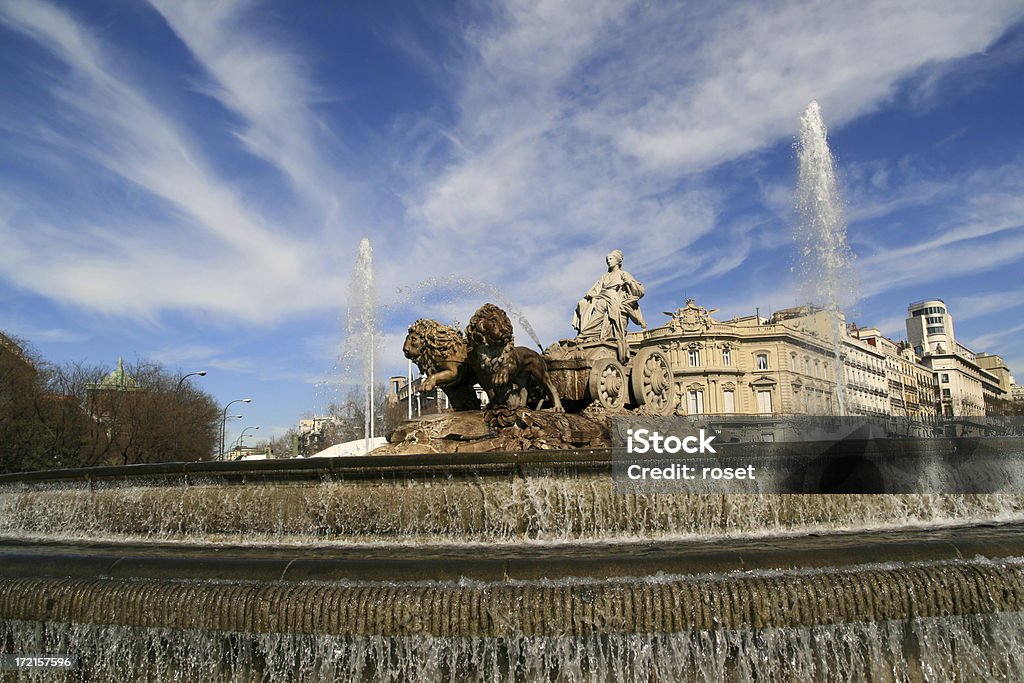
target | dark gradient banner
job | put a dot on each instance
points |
(815, 455)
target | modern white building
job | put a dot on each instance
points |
(962, 381)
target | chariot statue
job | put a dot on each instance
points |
(598, 366)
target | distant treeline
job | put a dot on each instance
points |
(82, 415)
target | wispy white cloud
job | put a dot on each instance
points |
(755, 66)
(204, 356)
(982, 231)
(37, 334)
(982, 304)
(992, 340)
(265, 84)
(210, 251)
(579, 127)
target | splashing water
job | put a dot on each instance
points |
(458, 285)
(825, 258)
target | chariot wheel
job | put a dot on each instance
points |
(651, 380)
(608, 384)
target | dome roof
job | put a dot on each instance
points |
(119, 379)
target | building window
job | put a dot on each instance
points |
(764, 402)
(694, 402)
(694, 358)
(937, 330)
(945, 377)
(728, 401)
(930, 310)
(936, 320)
(726, 356)
(946, 393)
(762, 361)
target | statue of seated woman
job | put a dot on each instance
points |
(607, 307)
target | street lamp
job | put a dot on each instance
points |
(224, 422)
(231, 417)
(242, 435)
(200, 373)
(177, 390)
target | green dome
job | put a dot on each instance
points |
(119, 379)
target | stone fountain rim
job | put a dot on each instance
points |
(494, 463)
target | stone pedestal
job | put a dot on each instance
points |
(500, 429)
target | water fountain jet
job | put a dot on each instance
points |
(825, 257)
(420, 291)
(358, 352)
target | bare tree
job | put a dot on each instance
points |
(21, 432)
(72, 415)
(156, 418)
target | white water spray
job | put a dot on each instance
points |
(825, 257)
(361, 333)
(451, 288)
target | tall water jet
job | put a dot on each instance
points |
(361, 336)
(825, 257)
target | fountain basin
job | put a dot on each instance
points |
(560, 496)
(507, 566)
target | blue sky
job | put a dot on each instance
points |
(189, 181)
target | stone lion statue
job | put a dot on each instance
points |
(441, 354)
(511, 375)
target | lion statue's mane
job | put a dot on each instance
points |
(511, 375)
(490, 339)
(441, 354)
(438, 343)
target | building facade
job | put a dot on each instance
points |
(868, 387)
(911, 385)
(962, 381)
(749, 365)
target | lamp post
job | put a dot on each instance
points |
(231, 417)
(200, 373)
(177, 390)
(242, 435)
(224, 422)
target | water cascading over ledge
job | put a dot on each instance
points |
(511, 566)
(949, 619)
(431, 499)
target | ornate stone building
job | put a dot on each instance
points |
(867, 384)
(748, 365)
(109, 396)
(786, 365)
